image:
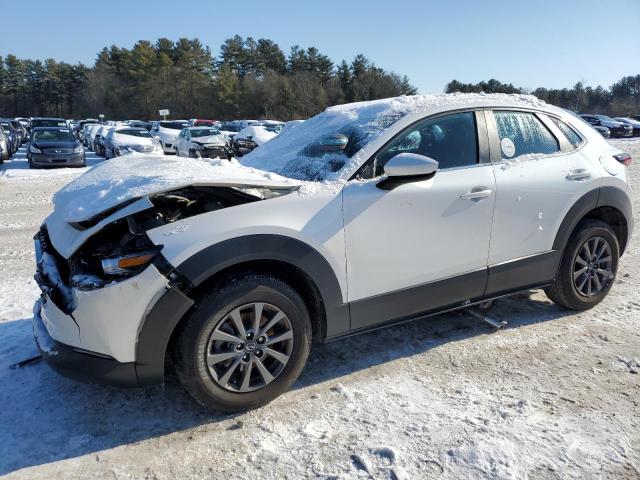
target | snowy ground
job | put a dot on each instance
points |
(555, 395)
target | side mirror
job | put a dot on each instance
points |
(406, 168)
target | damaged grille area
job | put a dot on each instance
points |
(52, 272)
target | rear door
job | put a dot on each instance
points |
(540, 173)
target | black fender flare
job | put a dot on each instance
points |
(598, 197)
(162, 318)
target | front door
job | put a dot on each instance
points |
(422, 245)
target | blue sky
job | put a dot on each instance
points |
(528, 43)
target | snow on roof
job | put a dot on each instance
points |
(284, 154)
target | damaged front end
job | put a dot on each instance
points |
(122, 249)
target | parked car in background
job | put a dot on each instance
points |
(99, 139)
(90, 137)
(37, 122)
(11, 134)
(202, 142)
(229, 129)
(203, 122)
(167, 132)
(5, 153)
(123, 139)
(21, 132)
(79, 129)
(141, 124)
(54, 147)
(253, 136)
(232, 272)
(617, 129)
(604, 131)
(26, 126)
(635, 124)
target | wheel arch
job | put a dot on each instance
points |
(609, 204)
(291, 260)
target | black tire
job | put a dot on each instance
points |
(211, 309)
(564, 292)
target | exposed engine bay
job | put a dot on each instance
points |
(123, 249)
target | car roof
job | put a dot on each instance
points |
(50, 128)
(48, 118)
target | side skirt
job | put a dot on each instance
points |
(453, 293)
(463, 305)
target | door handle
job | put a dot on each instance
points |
(578, 174)
(476, 194)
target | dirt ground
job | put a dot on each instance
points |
(554, 395)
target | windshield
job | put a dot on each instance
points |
(604, 117)
(47, 123)
(134, 132)
(174, 125)
(205, 123)
(204, 132)
(322, 146)
(53, 136)
(230, 128)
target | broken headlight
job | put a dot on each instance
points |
(124, 265)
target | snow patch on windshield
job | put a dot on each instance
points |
(287, 154)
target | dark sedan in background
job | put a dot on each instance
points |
(634, 124)
(53, 147)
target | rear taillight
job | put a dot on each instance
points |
(623, 158)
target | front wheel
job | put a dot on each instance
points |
(243, 344)
(588, 267)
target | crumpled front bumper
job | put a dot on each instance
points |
(76, 363)
(104, 321)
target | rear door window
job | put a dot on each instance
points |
(522, 133)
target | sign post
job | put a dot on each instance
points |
(164, 113)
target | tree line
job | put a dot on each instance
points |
(248, 79)
(620, 99)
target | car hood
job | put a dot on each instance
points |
(121, 186)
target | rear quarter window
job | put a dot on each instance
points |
(572, 136)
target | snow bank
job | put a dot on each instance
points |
(285, 154)
(137, 175)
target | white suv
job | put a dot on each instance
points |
(365, 215)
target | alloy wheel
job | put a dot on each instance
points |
(593, 267)
(250, 347)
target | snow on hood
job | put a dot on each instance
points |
(286, 153)
(217, 139)
(258, 134)
(123, 139)
(136, 175)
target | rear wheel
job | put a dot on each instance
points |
(588, 267)
(243, 344)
